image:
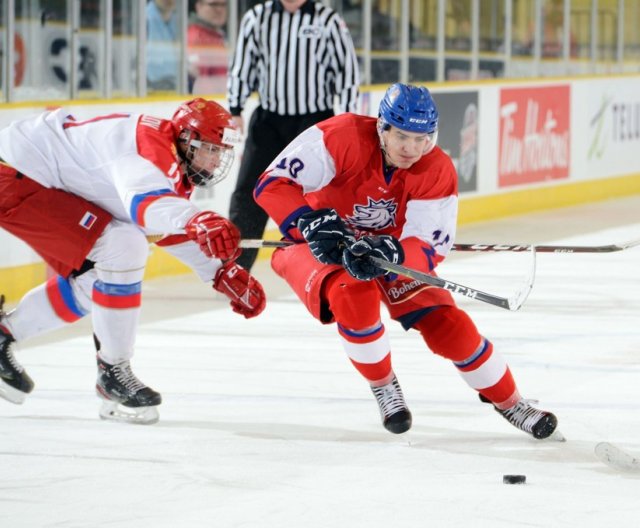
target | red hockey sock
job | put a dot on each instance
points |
(451, 333)
(376, 374)
(356, 307)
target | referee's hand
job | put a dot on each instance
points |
(239, 124)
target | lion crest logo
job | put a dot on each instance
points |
(377, 214)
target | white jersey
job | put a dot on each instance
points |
(125, 163)
(102, 160)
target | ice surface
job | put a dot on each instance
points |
(266, 424)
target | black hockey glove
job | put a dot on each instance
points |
(326, 234)
(356, 259)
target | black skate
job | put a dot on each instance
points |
(396, 416)
(524, 416)
(15, 383)
(126, 398)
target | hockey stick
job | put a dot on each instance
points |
(513, 303)
(617, 458)
(610, 248)
(258, 243)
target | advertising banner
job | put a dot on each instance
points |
(611, 127)
(458, 134)
(534, 138)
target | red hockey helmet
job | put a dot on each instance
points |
(205, 133)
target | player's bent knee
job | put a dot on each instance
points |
(354, 303)
(449, 332)
(120, 254)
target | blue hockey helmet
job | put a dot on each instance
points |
(409, 108)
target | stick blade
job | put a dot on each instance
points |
(617, 458)
(630, 244)
(516, 302)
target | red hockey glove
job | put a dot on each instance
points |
(246, 293)
(216, 236)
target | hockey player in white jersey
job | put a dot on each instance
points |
(86, 196)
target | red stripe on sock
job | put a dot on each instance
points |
(57, 302)
(116, 301)
(374, 371)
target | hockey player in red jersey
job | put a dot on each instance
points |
(86, 196)
(353, 187)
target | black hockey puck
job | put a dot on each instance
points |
(514, 479)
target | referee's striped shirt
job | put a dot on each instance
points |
(298, 62)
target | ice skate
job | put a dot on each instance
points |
(396, 416)
(15, 383)
(524, 416)
(126, 398)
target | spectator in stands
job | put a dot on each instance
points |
(552, 43)
(207, 52)
(162, 45)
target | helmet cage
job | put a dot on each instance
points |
(206, 135)
(193, 149)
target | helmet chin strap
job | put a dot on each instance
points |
(383, 148)
(186, 152)
(385, 156)
(182, 157)
(432, 143)
(387, 161)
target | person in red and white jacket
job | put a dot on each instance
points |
(207, 52)
(87, 195)
(352, 187)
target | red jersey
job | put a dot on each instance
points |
(339, 164)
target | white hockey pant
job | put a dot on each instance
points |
(110, 291)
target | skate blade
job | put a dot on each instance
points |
(115, 412)
(11, 394)
(556, 436)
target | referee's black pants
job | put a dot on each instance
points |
(268, 134)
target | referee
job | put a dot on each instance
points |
(298, 55)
